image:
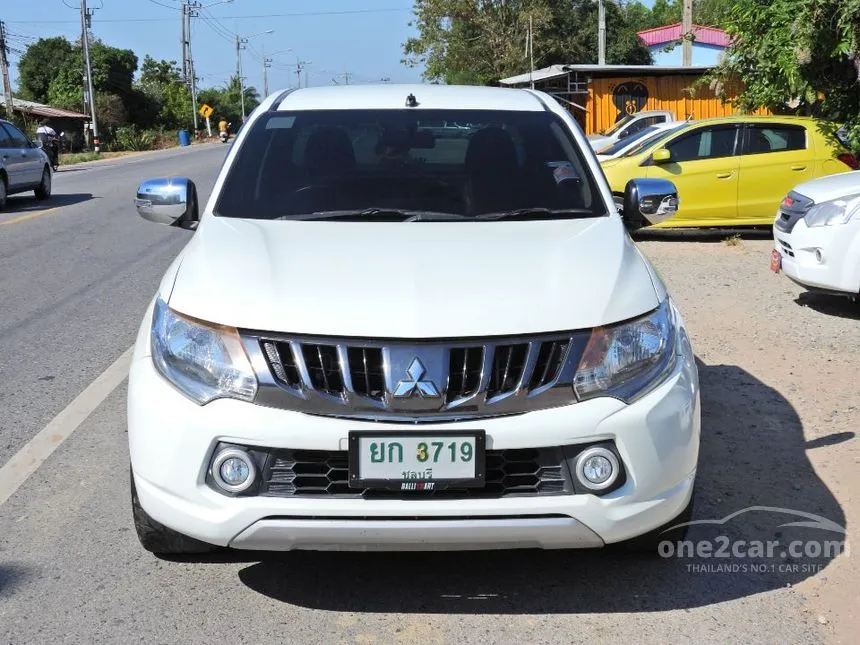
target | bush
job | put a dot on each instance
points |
(129, 137)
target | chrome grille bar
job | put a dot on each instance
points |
(352, 378)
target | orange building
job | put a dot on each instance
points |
(599, 95)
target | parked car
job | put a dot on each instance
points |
(397, 347)
(23, 165)
(817, 235)
(629, 125)
(733, 171)
(644, 137)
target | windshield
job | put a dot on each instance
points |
(662, 135)
(619, 124)
(456, 162)
(620, 145)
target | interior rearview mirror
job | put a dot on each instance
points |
(649, 201)
(662, 156)
(168, 200)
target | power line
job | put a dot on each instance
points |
(221, 35)
(166, 6)
(302, 14)
(213, 23)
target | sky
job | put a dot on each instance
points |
(360, 37)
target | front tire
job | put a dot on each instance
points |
(44, 189)
(3, 191)
(157, 538)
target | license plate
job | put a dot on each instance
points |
(775, 261)
(419, 462)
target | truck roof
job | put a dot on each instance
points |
(393, 97)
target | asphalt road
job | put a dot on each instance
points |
(74, 282)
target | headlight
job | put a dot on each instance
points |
(203, 361)
(629, 360)
(839, 211)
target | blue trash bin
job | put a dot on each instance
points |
(184, 138)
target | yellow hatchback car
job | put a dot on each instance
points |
(732, 171)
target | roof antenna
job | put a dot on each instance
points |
(411, 101)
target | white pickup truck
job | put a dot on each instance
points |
(380, 338)
(629, 125)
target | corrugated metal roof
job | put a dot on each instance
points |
(31, 107)
(672, 33)
(557, 71)
(639, 70)
(553, 71)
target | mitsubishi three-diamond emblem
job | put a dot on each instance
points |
(413, 383)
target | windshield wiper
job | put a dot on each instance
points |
(383, 214)
(537, 213)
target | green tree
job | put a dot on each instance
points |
(176, 107)
(169, 98)
(113, 69)
(800, 56)
(39, 65)
(669, 12)
(66, 89)
(480, 41)
(157, 75)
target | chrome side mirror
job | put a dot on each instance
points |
(170, 200)
(649, 201)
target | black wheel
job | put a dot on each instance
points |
(44, 189)
(2, 191)
(157, 538)
(650, 542)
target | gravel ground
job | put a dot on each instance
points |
(780, 395)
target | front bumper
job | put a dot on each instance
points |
(834, 269)
(172, 439)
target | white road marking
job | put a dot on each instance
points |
(27, 460)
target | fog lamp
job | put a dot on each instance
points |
(233, 470)
(597, 468)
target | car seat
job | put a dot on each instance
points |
(493, 172)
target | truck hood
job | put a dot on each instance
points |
(412, 280)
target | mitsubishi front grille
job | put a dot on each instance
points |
(414, 381)
(321, 474)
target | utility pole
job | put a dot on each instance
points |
(345, 76)
(601, 32)
(531, 51)
(300, 66)
(4, 70)
(184, 12)
(687, 32)
(192, 79)
(85, 39)
(267, 63)
(240, 43)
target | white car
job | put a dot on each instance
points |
(644, 137)
(817, 235)
(629, 125)
(380, 339)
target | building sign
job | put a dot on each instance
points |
(629, 97)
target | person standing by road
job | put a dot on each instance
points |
(47, 137)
